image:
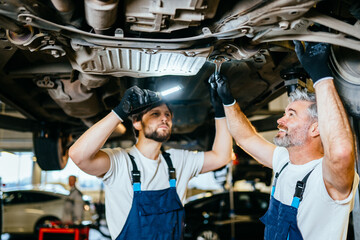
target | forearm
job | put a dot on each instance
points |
(336, 136)
(221, 151)
(247, 137)
(85, 150)
(239, 125)
(222, 145)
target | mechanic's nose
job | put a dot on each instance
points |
(164, 118)
(281, 120)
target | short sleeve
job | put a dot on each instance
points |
(350, 198)
(117, 164)
(197, 161)
(187, 162)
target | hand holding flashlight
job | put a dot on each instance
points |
(136, 99)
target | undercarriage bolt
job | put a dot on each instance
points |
(55, 53)
(284, 24)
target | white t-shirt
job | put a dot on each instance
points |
(319, 216)
(154, 176)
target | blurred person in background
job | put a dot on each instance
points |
(73, 209)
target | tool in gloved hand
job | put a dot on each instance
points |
(215, 99)
(135, 100)
(314, 59)
(220, 84)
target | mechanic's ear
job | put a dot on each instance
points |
(137, 125)
(314, 129)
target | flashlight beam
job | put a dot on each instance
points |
(170, 90)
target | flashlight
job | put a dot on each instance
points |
(170, 90)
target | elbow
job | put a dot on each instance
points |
(226, 158)
(344, 156)
(75, 155)
(346, 152)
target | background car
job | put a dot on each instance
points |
(26, 209)
(65, 64)
(209, 216)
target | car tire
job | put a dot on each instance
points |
(207, 234)
(344, 63)
(50, 150)
(349, 94)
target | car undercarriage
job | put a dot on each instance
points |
(65, 64)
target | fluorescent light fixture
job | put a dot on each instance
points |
(170, 90)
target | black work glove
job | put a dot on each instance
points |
(314, 59)
(134, 100)
(220, 84)
(215, 100)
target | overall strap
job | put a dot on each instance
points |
(172, 172)
(276, 177)
(135, 175)
(299, 190)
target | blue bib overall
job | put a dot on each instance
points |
(155, 214)
(280, 219)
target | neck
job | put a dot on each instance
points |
(149, 148)
(300, 155)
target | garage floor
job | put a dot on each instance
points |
(93, 235)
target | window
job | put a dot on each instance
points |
(21, 197)
(18, 168)
(9, 198)
(84, 180)
(35, 197)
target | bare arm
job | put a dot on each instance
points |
(335, 131)
(221, 151)
(239, 126)
(337, 138)
(86, 153)
(246, 136)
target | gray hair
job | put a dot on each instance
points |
(304, 95)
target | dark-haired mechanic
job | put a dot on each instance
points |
(145, 187)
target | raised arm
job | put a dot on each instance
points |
(86, 153)
(247, 137)
(335, 131)
(240, 127)
(221, 151)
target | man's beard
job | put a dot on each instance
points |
(284, 141)
(154, 135)
(295, 139)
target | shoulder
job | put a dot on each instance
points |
(119, 161)
(114, 152)
(78, 191)
(184, 154)
(186, 159)
(280, 158)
